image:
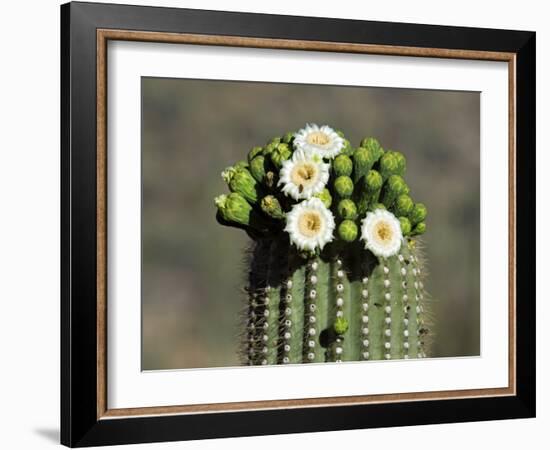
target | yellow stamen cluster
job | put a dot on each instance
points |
(309, 223)
(303, 174)
(318, 138)
(384, 232)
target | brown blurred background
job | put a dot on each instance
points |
(192, 267)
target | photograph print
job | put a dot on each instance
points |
(299, 223)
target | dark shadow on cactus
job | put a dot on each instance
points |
(327, 337)
(257, 275)
(295, 260)
(357, 261)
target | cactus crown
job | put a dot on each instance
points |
(280, 180)
(334, 271)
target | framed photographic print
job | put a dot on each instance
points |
(276, 224)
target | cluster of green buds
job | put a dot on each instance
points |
(318, 188)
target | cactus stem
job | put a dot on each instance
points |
(293, 320)
(340, 295)
(419, 297)
(387, 309)
(286, 319)
(365, 355)
(405, 298)
(343, 304)
(354, 309)
(412, 305)
(322, 310)
(272, 298)
(376, 314)
(346, 305)
(311, 324)
(261, 343)
(396, 278)
(251, 330)
(256, 284)
(336, 348)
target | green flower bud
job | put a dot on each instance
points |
(420, 228)
(363, 160)
(389, 165)
(347, 209)
(340, 133)
(342, 165)
(373, 181)
(343, 186)
(271, 206)
(241, 164)
(276, 140)
(401, 163)
(280, 153)
(347, 230)
(241, 180)
(394, 187)
(269, 148)
(257, 168)
(347, 149)
(374, 148)
(397, 184)
(371, 144)
(362, 163)
(234, 208)
(325, 197)
(405, 226)
(340, 325)
(418, 213)
(254, 152)
(288, 137)
(403, 205)
(370, 191)
(228, 173)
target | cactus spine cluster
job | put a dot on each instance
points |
(334, 268)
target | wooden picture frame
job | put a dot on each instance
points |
(86, 418)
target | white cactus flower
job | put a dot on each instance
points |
(381, 232)
(310, 225)
(323, 141)
(303, 175)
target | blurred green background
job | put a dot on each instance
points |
(193, 268)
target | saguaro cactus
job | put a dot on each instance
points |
(334, 267)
